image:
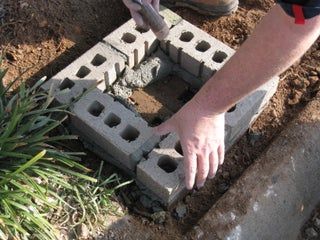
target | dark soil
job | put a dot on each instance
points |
(46, 36)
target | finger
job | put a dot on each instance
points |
(137, 18)
(202, 169)
(213, 162)
(221, 153)
(164, 128)
(155, 4)
(190, 168)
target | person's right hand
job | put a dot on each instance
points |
(134, 8)
(202, 141)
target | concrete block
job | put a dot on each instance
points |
(85, 72)
(114, 128)
(195, 50)
(247, 110)
(134, 43)
(163, 172)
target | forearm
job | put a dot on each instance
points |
(273, 47)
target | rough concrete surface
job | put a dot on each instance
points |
(276, 195)
(85, 72)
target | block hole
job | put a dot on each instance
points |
(203, 46)
(96, 109)
(186, 36)
(112, 120)
(219, 57)
(83, 72)
(178, 148)
(128, 38)
(167, 164)
(66, 84)
(98, 60)
(232, 109)
(130, 134)
(141, 29)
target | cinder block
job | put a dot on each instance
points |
(163, 172)
(195, 50)
(85, 72)
(134, 43)
(114, 128)
(248, 109)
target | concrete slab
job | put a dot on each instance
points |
(277, 193)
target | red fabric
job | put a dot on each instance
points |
(298, 14)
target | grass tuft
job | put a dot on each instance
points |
(42, 187)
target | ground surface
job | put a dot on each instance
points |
(46, 36)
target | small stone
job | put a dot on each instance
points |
(83, 231)
(311, 233)
(316, 222)
(254, 137)
(223, 187)
(198, 233)
(181, 210)
(313, 73)
(313, 79)
(225, 175)
(159, 217)
(318, 70)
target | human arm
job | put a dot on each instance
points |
(275, 45)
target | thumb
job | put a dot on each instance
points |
(164, 128)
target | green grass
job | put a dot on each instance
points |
(42, 187)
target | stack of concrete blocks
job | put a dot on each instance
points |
(118, 135)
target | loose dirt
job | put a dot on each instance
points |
(46, 36)
(160, 100)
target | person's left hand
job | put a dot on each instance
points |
(134, 8)
(202, 141)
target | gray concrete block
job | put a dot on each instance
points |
(195, 50)
(247, 110)
(163, 172)
(85, 72)
(132, 42)
(135, 43)
(114, 128)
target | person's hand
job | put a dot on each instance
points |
(202, 140)
(134, 8)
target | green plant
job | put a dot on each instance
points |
(42, 187)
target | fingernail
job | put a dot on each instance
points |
(200, 185)
(212, 177)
